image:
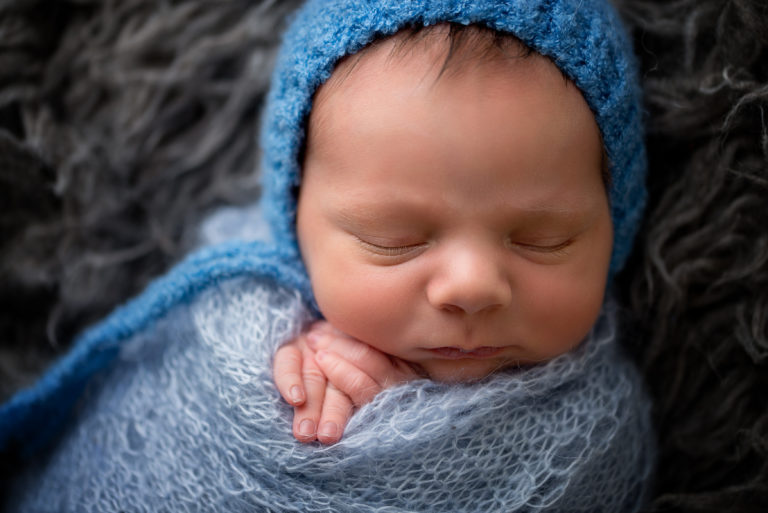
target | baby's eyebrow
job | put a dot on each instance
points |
(360, 214)
(550, 212)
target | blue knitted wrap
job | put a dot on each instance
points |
(188, 419)
(584, 38)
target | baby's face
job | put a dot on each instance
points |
(459, 223)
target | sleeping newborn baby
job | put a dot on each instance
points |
(458, 200)
(451, 187)
(453, 216)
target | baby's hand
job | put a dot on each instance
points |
(324, 386)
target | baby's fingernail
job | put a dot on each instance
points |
(328, 430)
(297, 394)
(307, 428)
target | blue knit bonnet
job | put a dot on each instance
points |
(584, 38)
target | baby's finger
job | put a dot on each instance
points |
(343, 375)
(287, 374)
(337, 408)
(307, 416)
(385, 370)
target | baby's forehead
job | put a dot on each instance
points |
(388, 113)
(427, 58)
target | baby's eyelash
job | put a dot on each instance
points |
(390, 250)
(553, 249)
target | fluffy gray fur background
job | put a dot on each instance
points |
(124, 122)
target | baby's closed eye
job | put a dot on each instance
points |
(391, 247)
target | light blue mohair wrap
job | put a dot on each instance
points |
(169, 403)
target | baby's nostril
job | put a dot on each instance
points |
(452, 308)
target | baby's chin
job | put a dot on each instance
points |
(464, 370)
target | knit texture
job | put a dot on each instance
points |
(584, 38)
(189, 420)
(35, 415)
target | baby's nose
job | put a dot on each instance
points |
(469, 281)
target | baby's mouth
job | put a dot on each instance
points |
(457, 353)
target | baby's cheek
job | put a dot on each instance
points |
(361, 303)
(563, 311)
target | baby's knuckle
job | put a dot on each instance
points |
(312, 375)
(363, 353)
(286, 352)
(340, 409)
(365, 393)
